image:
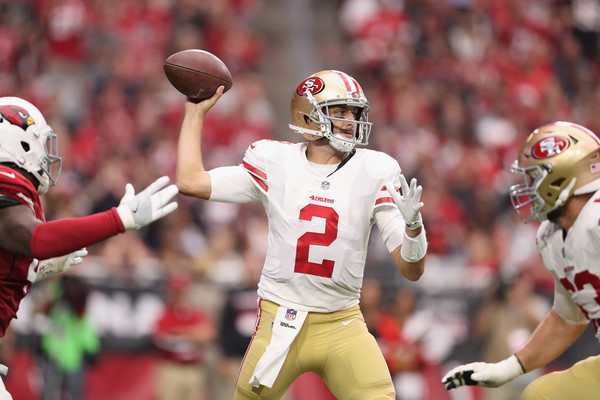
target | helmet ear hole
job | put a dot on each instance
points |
(25, 146)
(557, 183)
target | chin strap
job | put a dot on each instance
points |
(303, 131)
(564, 195)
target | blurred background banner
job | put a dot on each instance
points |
(123, 316)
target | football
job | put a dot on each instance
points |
(197, 73)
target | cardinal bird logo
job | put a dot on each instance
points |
(16, 115)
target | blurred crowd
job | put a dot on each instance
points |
(455, 86)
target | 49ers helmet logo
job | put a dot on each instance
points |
(549, 147)
(16, 115)
(313, 85)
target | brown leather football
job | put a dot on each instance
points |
(197, 73)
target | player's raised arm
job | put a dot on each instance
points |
(191, 177)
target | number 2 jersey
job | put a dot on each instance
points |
(16, 272)
(320, 219)
(574, 261)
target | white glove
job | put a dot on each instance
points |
(56, 265)
(489, 375)
(152, 203)
(409, 203)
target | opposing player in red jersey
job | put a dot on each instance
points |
(32, 248)
(322, 198)
(560, 166)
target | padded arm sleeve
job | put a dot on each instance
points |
(232, 185)
(565, 307)
(391, 226)
(57, 238)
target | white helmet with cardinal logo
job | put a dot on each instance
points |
(28, 142)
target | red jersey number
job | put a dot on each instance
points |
(303, 266)
(581, 279)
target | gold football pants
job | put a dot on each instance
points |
(580, 382)
(336, 346)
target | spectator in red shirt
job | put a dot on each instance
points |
(180, 335)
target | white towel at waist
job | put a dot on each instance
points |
(286, 326)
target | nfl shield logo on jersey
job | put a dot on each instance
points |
(290, 314)
(324, 185)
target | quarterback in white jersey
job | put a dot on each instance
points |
(560, 163)
(322, 197)
(319, 220)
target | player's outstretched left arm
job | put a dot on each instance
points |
(22, 233)
(410, 256)
(135, 212)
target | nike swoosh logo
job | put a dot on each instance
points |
(346, 323)
(137, 205)
(252, 146)
(10, 175)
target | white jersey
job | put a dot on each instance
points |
(320, 219)
(574, 260)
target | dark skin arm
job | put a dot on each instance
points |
(16, 229)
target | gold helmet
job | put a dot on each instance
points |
(557, 161)
(310, 114)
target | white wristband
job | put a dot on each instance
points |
(514, 365)
(126, 215)
(502, 372)
(414, 249)
(414, 225)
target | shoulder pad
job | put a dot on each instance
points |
(544, 232)
(380, 165)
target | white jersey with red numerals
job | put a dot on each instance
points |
(574, 260)
(320, 218)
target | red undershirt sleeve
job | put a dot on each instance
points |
(64, 236)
